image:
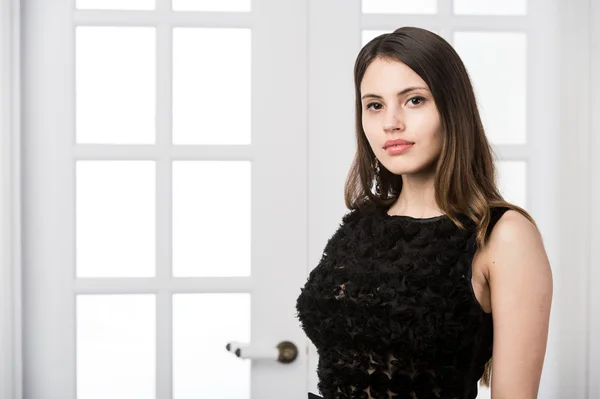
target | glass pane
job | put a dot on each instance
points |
(497, 65)
(211, 86)
(203, 324)
(211, 213)
(116, 346)
(115, 85)
(512, 181)
(490, 7)
(399, 6)
(212, 5)
(115, 218)
(115, 4)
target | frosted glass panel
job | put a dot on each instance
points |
(399, 6)
(211, 218)
(115, 85)
(116, 347)
(203, 324)
(211, 5)
(211, 86)
(116, 4)
(497, 65)
(490, 7)
(115, 218)
(512, 181)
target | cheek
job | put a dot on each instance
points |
(369, 129)
(437, 141)
(431, 130)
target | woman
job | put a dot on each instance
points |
(431, 271)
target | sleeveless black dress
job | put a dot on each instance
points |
(392, 312)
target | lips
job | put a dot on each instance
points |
(391, 143)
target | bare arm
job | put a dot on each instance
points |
(521, 288)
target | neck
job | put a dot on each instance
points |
(417, 197)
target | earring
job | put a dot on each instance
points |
(377, 178)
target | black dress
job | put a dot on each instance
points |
(392, 312)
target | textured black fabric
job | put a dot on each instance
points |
(391, 309)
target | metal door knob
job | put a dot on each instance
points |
(284, 352)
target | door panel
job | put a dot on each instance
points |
(164, 171)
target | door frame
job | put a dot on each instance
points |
(593, 345)
(10, 200)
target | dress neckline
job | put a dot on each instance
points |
(386, 215)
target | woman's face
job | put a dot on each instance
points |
(397, 104)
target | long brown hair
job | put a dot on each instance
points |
(465, 175)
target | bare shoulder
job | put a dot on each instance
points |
(513, 237)
(515, 229)
(516, 262)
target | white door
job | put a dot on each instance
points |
(164, 197)
(184, 166)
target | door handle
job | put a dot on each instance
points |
(284, 352)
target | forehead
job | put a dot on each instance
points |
(383, 76)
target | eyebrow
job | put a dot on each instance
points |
(407, 90)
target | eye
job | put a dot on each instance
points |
(419, 99)
(369, 105)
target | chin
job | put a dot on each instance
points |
(411, 168)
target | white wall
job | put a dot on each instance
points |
(594, 239)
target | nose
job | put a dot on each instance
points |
(392, 123)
